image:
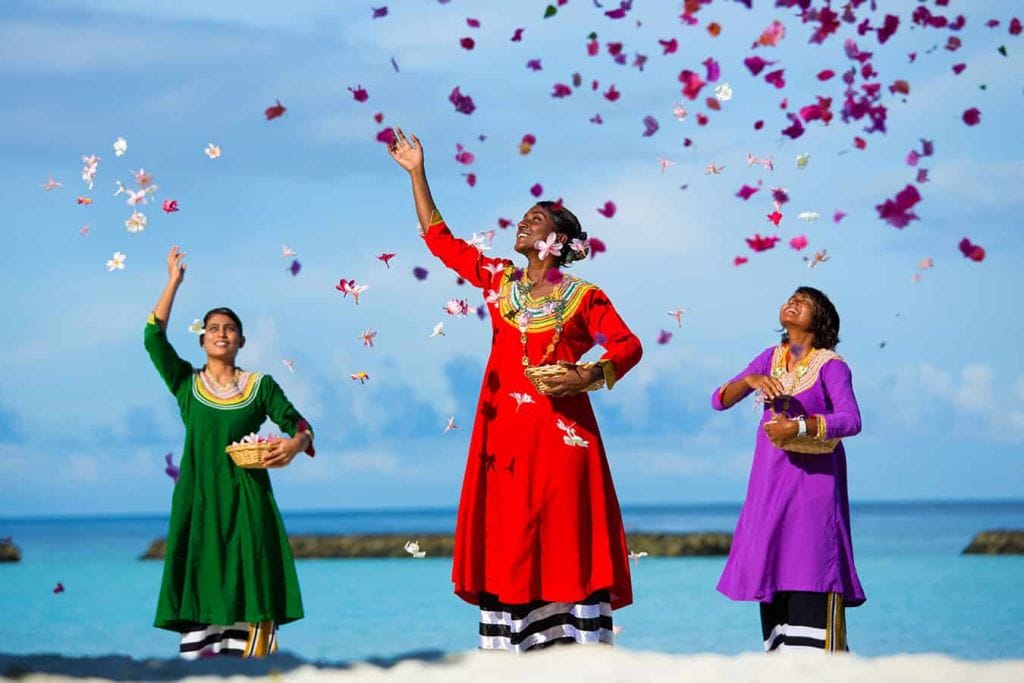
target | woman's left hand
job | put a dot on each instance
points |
(284, 451)
(572, 382)
(780, 431)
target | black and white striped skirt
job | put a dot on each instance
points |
(798, 620)
(240, 639)
(538, 624)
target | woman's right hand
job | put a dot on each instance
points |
(770, 387)
(407, 155)
(176, 266)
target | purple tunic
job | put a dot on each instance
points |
(793, 532)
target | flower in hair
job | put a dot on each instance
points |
(548, 246)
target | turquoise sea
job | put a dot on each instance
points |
(923, 595)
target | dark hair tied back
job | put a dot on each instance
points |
(223, 310)
(566, 224)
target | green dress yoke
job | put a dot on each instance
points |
(227, 557)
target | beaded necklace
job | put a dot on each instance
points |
(554, 300)
(797, 373)
(227, 389)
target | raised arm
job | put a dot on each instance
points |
(171, 367)
(459, 255)
(176, 267)
(409, 155)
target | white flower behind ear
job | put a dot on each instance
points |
(197, 327)
(548, 246)
(580, 247)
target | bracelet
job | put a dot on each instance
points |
(822, 429)
(801, 424)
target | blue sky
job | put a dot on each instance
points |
(85, 421)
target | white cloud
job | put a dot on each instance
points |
(729, 466)
(993, 184)
(980, 409)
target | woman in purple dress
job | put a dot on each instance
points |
(792, 550)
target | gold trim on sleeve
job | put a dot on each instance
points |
(609, 372)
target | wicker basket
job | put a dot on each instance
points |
(809, 444)
(249, 455)
(539, 373)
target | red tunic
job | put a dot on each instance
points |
(538, 517)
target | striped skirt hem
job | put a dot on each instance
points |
(240, 639)
(804, 621)
(539, 624)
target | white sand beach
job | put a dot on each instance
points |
(568, 664)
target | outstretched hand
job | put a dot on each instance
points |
(409, 155)
(176, 266)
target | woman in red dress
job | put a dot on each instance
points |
(539, 543)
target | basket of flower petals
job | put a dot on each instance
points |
(539, 374)
(250, 450)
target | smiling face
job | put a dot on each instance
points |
(221, 338)
(797, 313)
(535, 226)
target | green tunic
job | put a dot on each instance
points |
(227, 558)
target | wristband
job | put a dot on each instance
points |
(801, 427)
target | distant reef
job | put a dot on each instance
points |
(319, 546)
(997, 542)
(9, 552)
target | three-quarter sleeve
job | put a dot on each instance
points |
(622, 347)
(172, 368)
(759, 366)
(461, 256)
(844, 418)
(281, 411)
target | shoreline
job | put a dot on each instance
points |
(589, 663)
(340, 546)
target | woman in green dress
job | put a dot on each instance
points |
(229, 578)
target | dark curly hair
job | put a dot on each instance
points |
(824, 322)
(566, 224)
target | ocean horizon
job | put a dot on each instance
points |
(923, 594)
(400, 509)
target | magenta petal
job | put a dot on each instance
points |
(776, 78)
(756, 64)
(463, 103)
(746, 192)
